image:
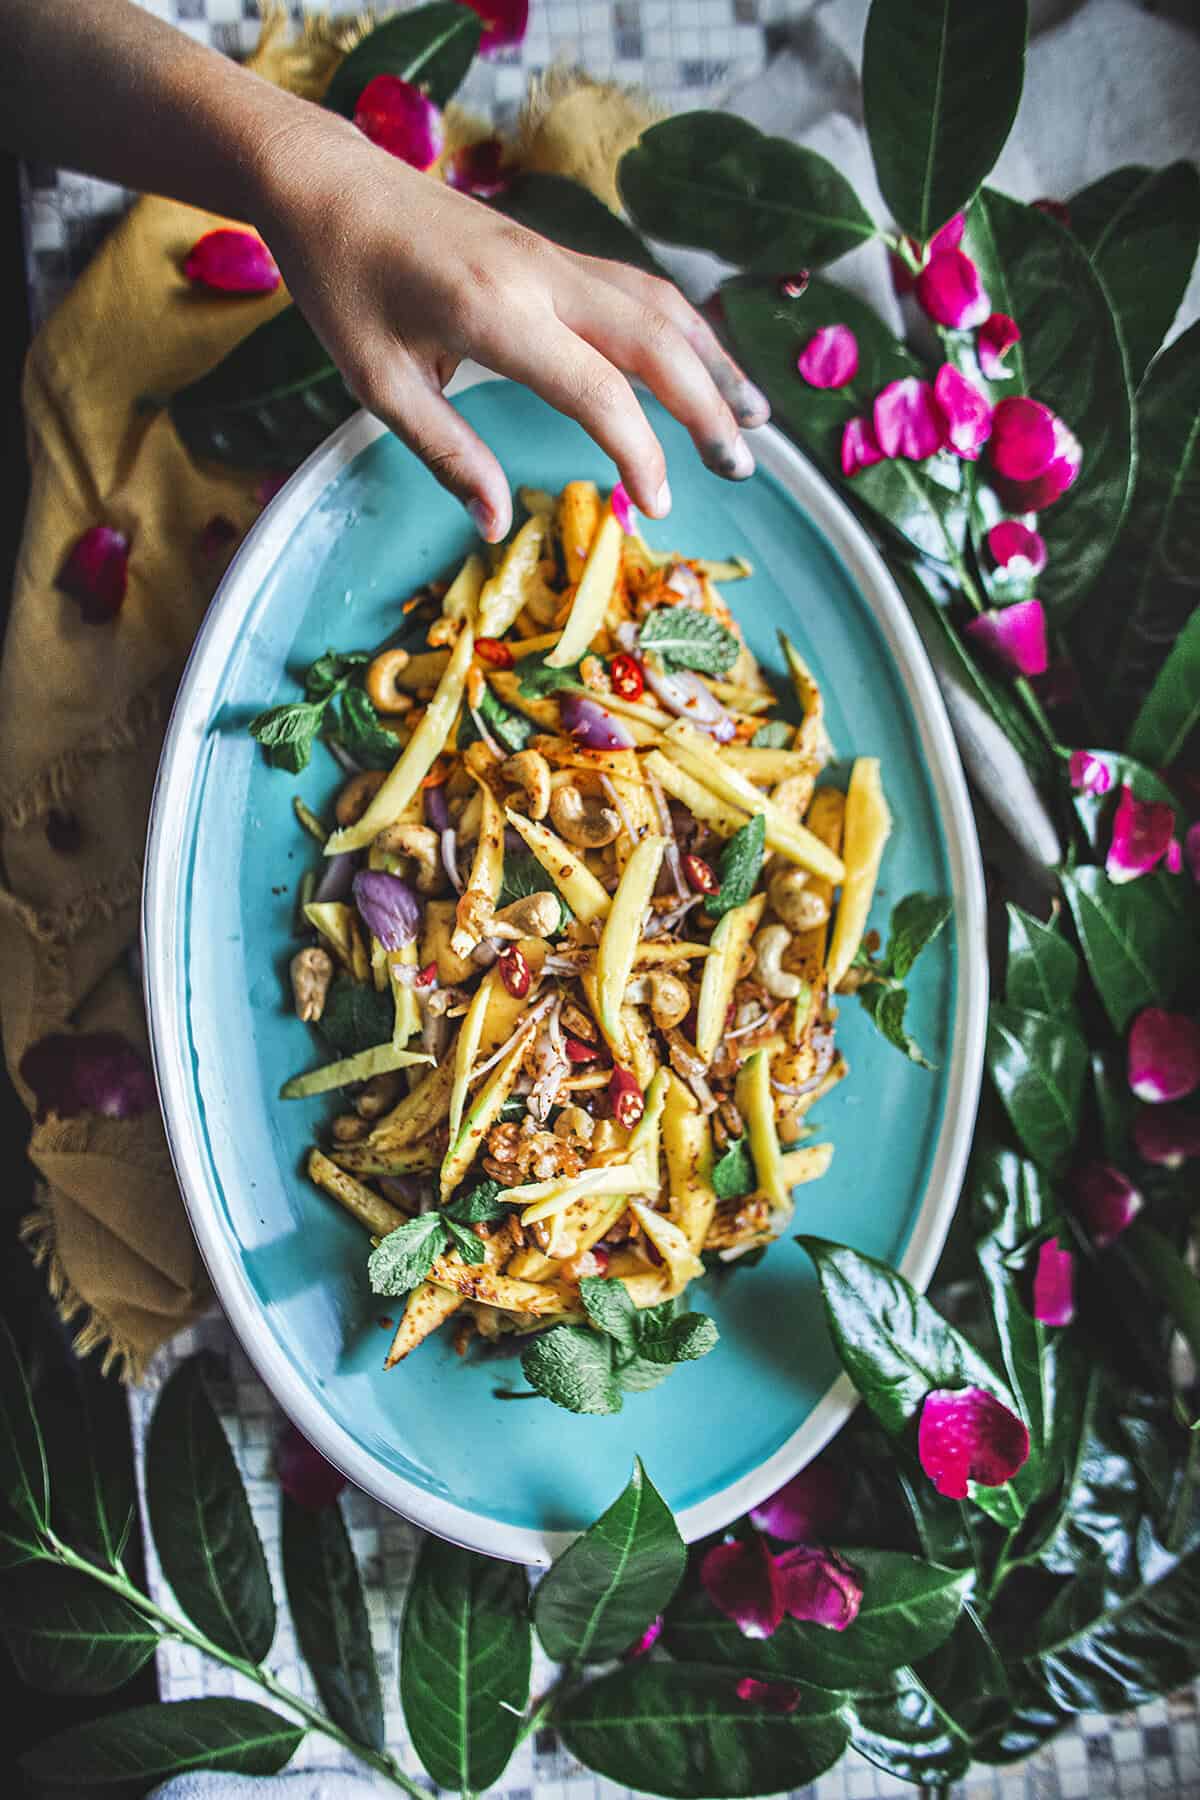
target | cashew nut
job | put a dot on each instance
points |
(530, 771)
(381, 679)
(670, 999)
(357, 795)
(422, 844)
(473, 916)
(769, 945)
(311, 972)
(535, 915)
(574, 1125)
(584, 822)
(800, 907)
(478, 759)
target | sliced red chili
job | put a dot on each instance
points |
(701, 875)
(626, 1098)
(515, 972)
(578, 1051)
(494, 652)
(626, 676)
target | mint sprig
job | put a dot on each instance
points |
(740, 867)
(687, 639)
(916, 921)
(628, 1350)
(733, 1173)
(537, 679)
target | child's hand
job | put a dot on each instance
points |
(402, 278)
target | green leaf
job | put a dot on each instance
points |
(325, 1598)
(469, 1247)
(1095, 1519)
(610, 1309)
(609, 1585)
(1171, 710)
(85, 1420)
(329, 673)
(885, 1007)
(401, 1260)
(1070, 357)
(775, 736)
(573, 1367)
(510, 729)
(287, 733)
(894, 1345)
(924, 504)
(739, 868)
(916, 921)
(715, 181)
(24, 1480)
(203, 1529)
(69, 1635)
(965, 1677)
(479, 1207)
(901, 1729)
(1136, 937)
(432, 47)
(569, 214)
(683, 1339)
(465, 1654)
(687, 639)
(359, 731)
(356, 1016)
(538, 679)
(941, 86)
(670, 1728)
(1033, 1718)
(1038, 1066)
(1043, 970)
(149, 1742)
(1133, 220)
(733, 1173)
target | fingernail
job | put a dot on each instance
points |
(753, 407)
(662, 501)
(482, 518)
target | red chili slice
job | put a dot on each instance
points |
(494, 652)
(700, 874)
(515, 972)
(626, 676)
(578, 1051)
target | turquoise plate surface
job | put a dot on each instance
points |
(355, 531)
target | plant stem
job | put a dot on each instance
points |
(545, 1706)
(1037, 713)
(119, 1583)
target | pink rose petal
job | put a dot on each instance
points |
(1173, 861)
(1191, 850)
(776, 1696)
(951, 292)
(1054, 1285)
(997, 335)
(819, 1588)
(1059, 474)
(802, 1511)
(1164, 1055)
(793, 286)
(1142, 833)
(967, 413)
(478, 169)
(304, 1475)
(830, 357)
(95, 573)
(1106, 1201)
(232, 262)
(92, 1071)
(643, 1645)
(908, 420)
(400, 119)
(966, 1434)
(742, 1582)
(1022, 438)
(1167, 1135)
(505, 23)
(622, 507)
(949, 237)
(1015, 636)
(1089, 774)
(1015, 547)
(860, 446)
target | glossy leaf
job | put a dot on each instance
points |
(1130, 222)
(1038, 1065)
(894, 1345)
(715, 181)
(1071, 358)
(465, 1652)
(966, 1677)
(1095, 1519)
(325, 1598)
(1138, 937)
(571, 215)
(24, 1480)
(1032, 1719)
(203, 1530)
(901, 1729)
(432, 47)
(90, 1448)
(1043, 969)
(146, 1742)
(68, 1635)
(675, 1729)
(613, 1580)
(925, 503)
(1171, 710)
(941, 86)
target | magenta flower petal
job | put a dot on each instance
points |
(95, 573)
(271, 484)
(1173, 860)
(1089, 774)
(1164, 1055)
(776, 1696)
(1054, 1285)
(951, 291)
(1142, 832)
(804, 1508)
(1014, 636)
(741, 1580)
(94, 1071)
(966, 1434)
(401, 120)
(1167, 1136)
(860, 446)
(830, 357)
(478, 169)
(304, 1475)
(505, 23)
(1191, 850)
(1014, 546)
(819, 1588)
(966, 411)
(643, 1645)
(793, 286)
(908, 420)
(903, 278)
(1059, 474)
(622, 507)
(1106, 1201)
(997, 335)
(232, 261)
(949, 237)
(1022, 438)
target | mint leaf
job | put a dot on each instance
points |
(609, 1307)
(286, 733)
(403, 1258)
(510, 729)
(637, 1374)
(469, 1247)
(573, 1367)
(358, 730)
(687, 639)
(916, 921)
(741, 866)
(733, 1173)
(885, 1007)
(537, 679)
(356, 1016)
(328, 675)
(480, 1206)
(684, 1339)
(775, 736)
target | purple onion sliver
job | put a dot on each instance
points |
(388, 906)
(437, 813)
(684, 694)
(449, 842)
(337, 877)
(592, 726)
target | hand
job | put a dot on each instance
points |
(402, 277)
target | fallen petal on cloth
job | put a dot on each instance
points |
(96, 573)
(304, 1475)
(776, 1696)
(965, 1435)
(1089, 774)
(997, 335)
(966, 412)
(908, 420)
(1022, 438)
(400, 119)
(860, 446)
(819, 1588)
(742, 1582)
(1014, 546)
(505, 22)
(1167, 1135)
(950, 290)
(478, 169)
(92, 1071)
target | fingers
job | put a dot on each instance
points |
(457, 456)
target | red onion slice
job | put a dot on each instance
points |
(337, 877)
(684, 694)
(592, 726)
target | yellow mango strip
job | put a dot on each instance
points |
(504, 594)
(682, 1262)
(623, 931)
(587, 898)
(436, 927)
(485, 1110)
(808, 1164)
(639, 1045)
(742, 699)
(591, 596)
(645, 1287)
(360, 1159)
(359, 1201)
(423, 747)
(537, 500)
(542, 1298)
(578, 520)
(461, 599)
(414, 1117)
(729, 943)
(337, 923)
(429, 1306)
(643, 712)
(466, 1048)
(813, 741)
(764, 766)
(687, 1142)
(757, 1107)
(408, 1018)
(868, 824)
(532, 646)
(806, 955)
(487, 868)
(699, 756)
(380, 1059)
(700, 801)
